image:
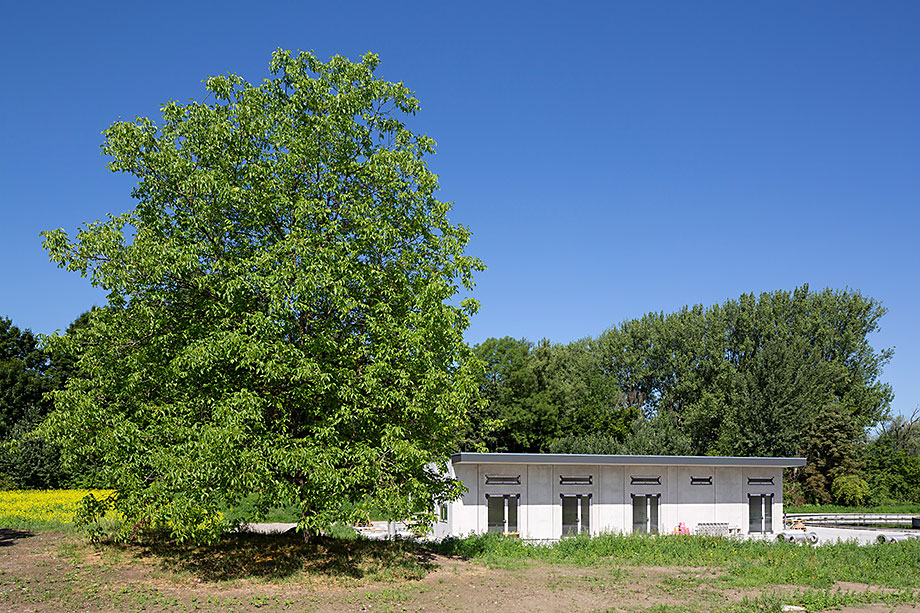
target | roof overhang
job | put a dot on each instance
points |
(621, 460)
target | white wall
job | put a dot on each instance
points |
(540, 517)
(540, 510)
(609, 510)
(695, 504)
(445, 528)
(463, 515)
(776, 489)
(730, 506)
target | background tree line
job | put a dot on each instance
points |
(27, 373)
(780, 374)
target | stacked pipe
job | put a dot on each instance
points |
(798, 537)
(896, 538)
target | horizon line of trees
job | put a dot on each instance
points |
(785, 373)
(28, 373)
(779, 374)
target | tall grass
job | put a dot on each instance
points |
(746, 563)
(820, 600)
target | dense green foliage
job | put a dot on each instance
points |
(780, 374)
(892, 461)
(282, 316)
(536, 394)
(23, 377)
(27, 374)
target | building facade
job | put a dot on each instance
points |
(548, 496)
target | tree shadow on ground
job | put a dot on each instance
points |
(8, 536)
(278, 556)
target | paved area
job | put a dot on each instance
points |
(377, 529)
(861, 536)
(269, 527)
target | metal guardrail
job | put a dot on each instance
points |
(853, 519)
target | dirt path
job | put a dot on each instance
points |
(54, 572)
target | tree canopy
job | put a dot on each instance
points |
(23, 377)
(283, 317)
(27, 374)
(534, 395)
(779, 374)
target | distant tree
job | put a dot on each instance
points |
(504, 385)
(63, 365)
(281, 320)
(659, 435)
(535, 394)
(22, 377)
(31, 462)
(783, 373)
(598, 444)
(892, 460)
(27, 373)
(901, 433)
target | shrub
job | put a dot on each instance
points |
(851, 490)
(30, 462)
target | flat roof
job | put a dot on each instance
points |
(623, 460)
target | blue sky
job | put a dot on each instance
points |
(610, 158)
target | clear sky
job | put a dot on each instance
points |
(611, 158)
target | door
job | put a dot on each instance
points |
(576, 513)
(760, 513)
(503, 513)
(645, 513)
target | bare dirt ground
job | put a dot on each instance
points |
(56, 572)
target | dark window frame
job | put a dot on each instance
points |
(766, 510)
(649, 527)
(576, 479)
(584, 524)
(507, 513)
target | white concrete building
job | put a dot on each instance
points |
(547, 496)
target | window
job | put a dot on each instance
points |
(503, 513)
(575, 479)
(760, 480)
(645, 513)
(503, 479)
(760, 513)
(639, 480)
(576, 513)
(443, 512)
(700, 480)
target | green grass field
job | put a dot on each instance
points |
(685, 572)
(748, 563)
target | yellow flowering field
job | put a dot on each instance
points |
(23, 508)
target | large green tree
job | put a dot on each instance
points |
(782, 373)
(283, 319)
(542, 397)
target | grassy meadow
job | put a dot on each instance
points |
(606, 572)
